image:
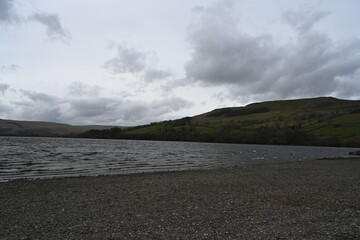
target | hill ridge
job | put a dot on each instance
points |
(324, 121)
(43, 128)
(309, 121)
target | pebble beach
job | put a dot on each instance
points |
(318, 199)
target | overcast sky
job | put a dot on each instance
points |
(134, 62)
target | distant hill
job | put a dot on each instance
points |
(323, 121)
(37, 128)
(315, 121)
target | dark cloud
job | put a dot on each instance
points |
(94, 107)
(8, 14)
(123, 112)
(40, 113)
(54, 29)
(140, 64)
(3, 88)
(32, 105)
(127, 60)
(256, 67)
(152, 74)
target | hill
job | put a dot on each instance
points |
(315, 121)
(37, 128)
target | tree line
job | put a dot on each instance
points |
(184, 131)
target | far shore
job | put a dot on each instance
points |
(318, 199)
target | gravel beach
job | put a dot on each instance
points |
(317, 199)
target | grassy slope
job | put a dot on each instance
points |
(330, 119)
(320, 117)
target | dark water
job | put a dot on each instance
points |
(57, 157)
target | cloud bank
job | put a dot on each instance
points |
(85, 109)
(256, 67)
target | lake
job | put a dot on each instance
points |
(31, 157)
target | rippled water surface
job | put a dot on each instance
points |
(27, 157)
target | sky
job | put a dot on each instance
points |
(126, 63)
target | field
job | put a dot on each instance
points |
(317, 121)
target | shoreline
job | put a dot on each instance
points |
(315, 199)
(151, 172)
(44, 178)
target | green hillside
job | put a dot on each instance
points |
(318, 121)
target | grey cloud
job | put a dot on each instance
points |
(81, 89)
(130, 60)
(127, 60)
(231, 59)
(168, 105)
(54, 29)
(175, 83)
(43, 113)
(94, 107)
(4, 109)
(38, 97)
(145, 112)
(8, 14)
(98, 111)
(33, 106)
(304, 21)
(122, 112)
(87, 110)
(152, 74)
(9, 68)
(3, 87)
(312, 65)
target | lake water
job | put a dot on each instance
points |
(28, 157)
